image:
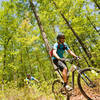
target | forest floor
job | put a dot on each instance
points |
(77, 95)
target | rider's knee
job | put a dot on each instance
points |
(65, 69)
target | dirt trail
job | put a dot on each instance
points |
(76, 95)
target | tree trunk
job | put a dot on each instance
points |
(95, 1)
(41, 27)
(29, 60)
(41, 71)
(83, 56)
(75, 53)
(41, 30)
(93, 25)
(4, 63)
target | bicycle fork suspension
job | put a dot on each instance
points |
(85, 79)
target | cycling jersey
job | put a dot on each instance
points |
(32, 78)
(60, 49)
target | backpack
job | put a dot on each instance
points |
(51, 51)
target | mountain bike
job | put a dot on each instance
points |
(88, 81)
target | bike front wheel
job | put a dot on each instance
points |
(89, 83)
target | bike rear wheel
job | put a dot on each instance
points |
(89, 83)
(58, 88)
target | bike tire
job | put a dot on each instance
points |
(57, 87)
(91, 92)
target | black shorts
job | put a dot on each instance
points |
(61, 65)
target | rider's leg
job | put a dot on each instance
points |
(64, 74)
(65, 78)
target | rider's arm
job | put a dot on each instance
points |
(55, 51)
(55, 54)
(36, 80)
(32, 78)
(69, 51)
(73, 54)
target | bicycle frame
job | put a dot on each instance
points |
(68, 75)
(78, 70)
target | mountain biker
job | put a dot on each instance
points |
(30, 78)
(58, 50)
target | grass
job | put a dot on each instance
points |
(25, 93)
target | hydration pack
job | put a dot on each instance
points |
(51, 51)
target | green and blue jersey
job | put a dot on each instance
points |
(60, 49)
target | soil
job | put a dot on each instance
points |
(77, 95)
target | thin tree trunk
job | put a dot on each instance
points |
(4, 64)
(75, 53)
(92, 24)
(40, 26)
(4, 61)
(95, 1)
(83, 56)
(29, 60)
(41, 29)
(40, 70)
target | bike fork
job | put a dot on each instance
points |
(85, 79)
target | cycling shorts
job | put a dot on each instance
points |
(61, 65)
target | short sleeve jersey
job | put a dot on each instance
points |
(32, 78)
(60, 50)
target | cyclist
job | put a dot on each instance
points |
(29, 78)
(58, 50)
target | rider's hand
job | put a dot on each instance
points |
(62, 59)
(77, 57)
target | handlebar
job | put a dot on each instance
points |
(70, 59)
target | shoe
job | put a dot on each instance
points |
(67, 87)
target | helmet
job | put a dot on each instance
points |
(28, 75)
(60, 36)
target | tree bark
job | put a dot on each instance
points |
(41, 27)
(83, 56)
(4, 61)
(42, 75)
(41, 30)
(93, 25)
(29, 60)
(95, 1)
